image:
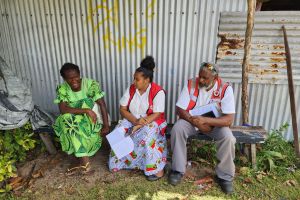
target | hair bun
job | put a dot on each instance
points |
(148, 63)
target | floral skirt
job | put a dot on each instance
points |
(150, 150)
(77, 134)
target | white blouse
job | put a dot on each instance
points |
(140, 103)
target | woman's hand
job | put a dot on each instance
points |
(135, 128)
(104, 131)
(92, 115)
(141, 122)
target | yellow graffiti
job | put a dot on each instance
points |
(150, 6)
(137, 41)
(109, 15)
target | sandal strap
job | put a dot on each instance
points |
(73, 168)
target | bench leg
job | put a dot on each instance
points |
(253, 156)
(48, 143)
(246, 150)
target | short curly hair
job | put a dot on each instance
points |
(67, 67)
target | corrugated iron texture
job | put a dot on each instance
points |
(268, 90)
(268, 61)
(107, 39)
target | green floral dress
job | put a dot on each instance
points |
(77, 134)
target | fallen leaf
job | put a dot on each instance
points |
(248, 180)
(244, 171)
(204, 161)
(37, 174)
(70, 190)
(290, 183)
(206, 179)
(259, 176)
(243, 159)
(14, 181)
(18, 188)
(31, 182)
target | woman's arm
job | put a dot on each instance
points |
(64, 108)
(103, 110)
(142, 121)
(150, 118)
(127, 115)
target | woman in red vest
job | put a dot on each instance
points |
(142, 108)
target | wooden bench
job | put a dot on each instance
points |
(251, 135)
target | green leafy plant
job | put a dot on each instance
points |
(276, 154)
(13, 147)
(202, 150)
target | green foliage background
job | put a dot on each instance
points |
(13, 147)
(277, 154)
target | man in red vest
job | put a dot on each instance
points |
(205, 90)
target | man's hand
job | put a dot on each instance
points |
(92, 115)
(201, 123)
(104, 131)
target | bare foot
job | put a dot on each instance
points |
(160, 173)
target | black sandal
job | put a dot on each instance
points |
(153, 177)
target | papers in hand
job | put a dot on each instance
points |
(209, 110)
(120, 144)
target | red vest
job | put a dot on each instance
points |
(161, 121)
(193, 88)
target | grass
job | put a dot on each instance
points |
(134, 186)
(280, 184)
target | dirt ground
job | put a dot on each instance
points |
(49, 171)
(47, 174)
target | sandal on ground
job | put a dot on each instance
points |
(86, 169)
(72, 171)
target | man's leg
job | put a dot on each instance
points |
(179, 135)
(225, 169)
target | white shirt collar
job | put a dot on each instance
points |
(146, 92)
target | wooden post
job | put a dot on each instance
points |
(48, 143)
(246, 59)
(291, 92)
(253, 156)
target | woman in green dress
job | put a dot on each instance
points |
(77, 127)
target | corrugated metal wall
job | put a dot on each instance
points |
(107, 39)
(268, 92)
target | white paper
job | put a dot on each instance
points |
(200, 110)
(121, 145)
